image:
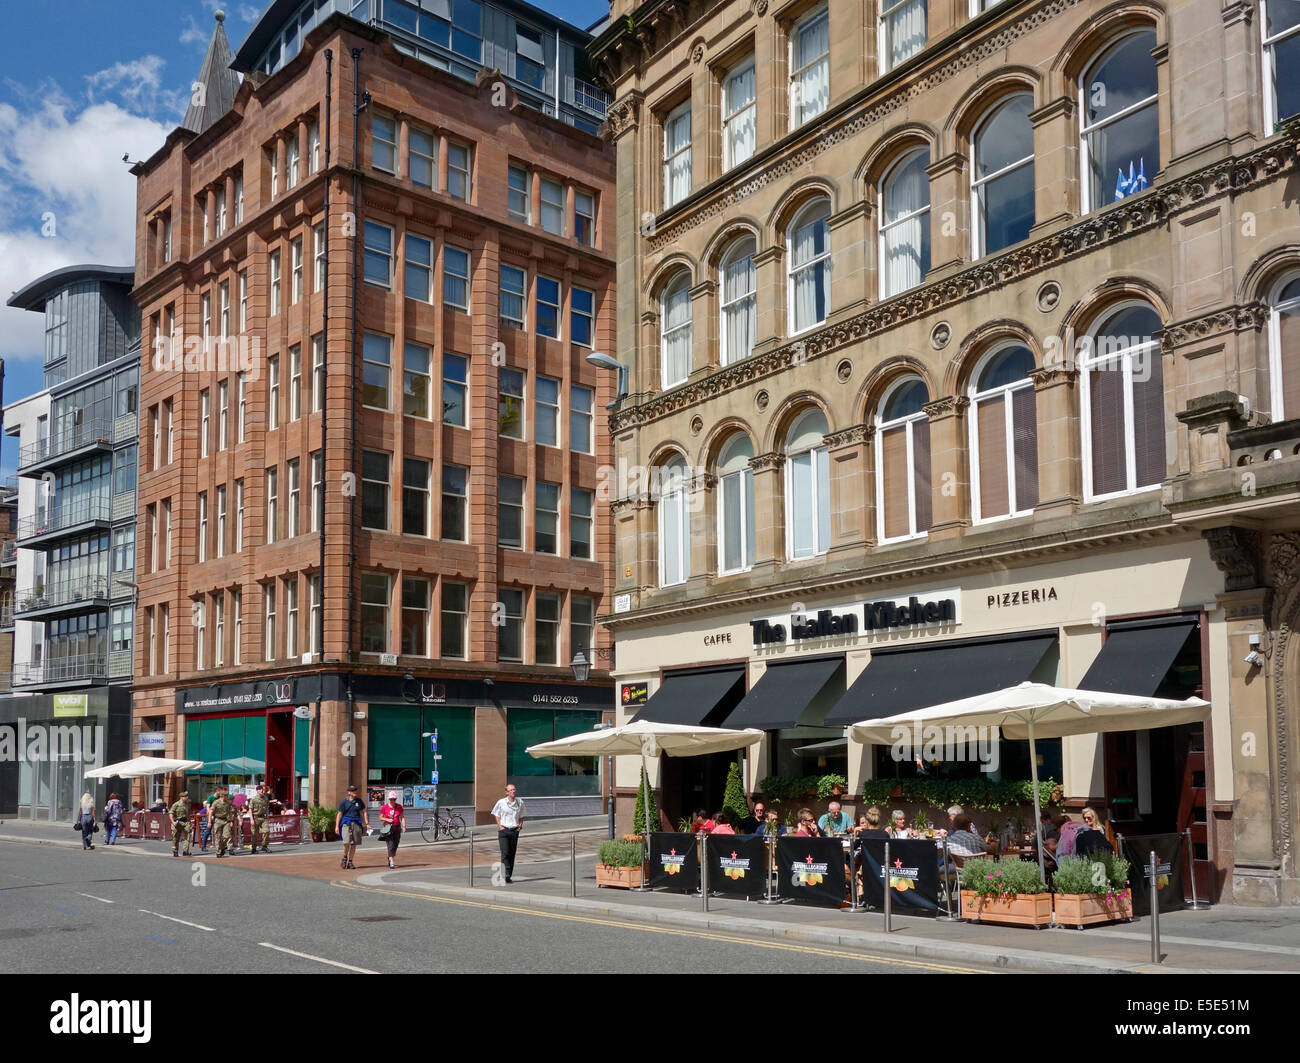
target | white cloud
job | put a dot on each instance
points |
(139, 85)
(193, 33)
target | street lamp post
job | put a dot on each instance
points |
(581, 665)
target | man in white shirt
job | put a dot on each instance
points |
(509, 813)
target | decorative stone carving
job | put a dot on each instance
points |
(622, 116)
(697, 425)
(946, 406)
(772, 460)
(1283, 562)
(1237, 553)
(940, 335)
(1053, 374)
(844, 371)
(1245, 318)
(759, 7)
(761, 400)
(858, 433)
(1048, 296)
(697, 53)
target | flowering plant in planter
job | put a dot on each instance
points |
(1001, 878)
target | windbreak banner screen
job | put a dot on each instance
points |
(736, 864)
(913, 874)
(1170, 850)
(674, 861)
(811, 870)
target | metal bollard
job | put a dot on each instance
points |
(573, 865)
(770, 856)
(1155, 910)
(854, 906)
(1196, 905)
(949, 873)
(704, 869)
(471, 858)
(884, 881)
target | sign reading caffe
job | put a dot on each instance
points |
(938, 608)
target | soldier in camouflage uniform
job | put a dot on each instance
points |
(180, 817)
(223, 823)
(259, 808)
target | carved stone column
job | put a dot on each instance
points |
(849, 275)
(704, 326)
(769, 509)
(1060, 464)
(1056, 164)
(852, 511)
(769, 291)
(703, 517)
(949, 214)
(949, 466)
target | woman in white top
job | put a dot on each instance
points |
(86, 821)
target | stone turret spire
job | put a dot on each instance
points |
(213, 92)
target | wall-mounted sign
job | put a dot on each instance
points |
(718, 638)
(151, 740)
(71, 704)
(634, 693)
(840, 621)
(1021, 596)
(424, 691)
(891, 614)
(622, 603)
(304, 712)
(279, 692)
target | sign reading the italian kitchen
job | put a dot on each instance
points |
(937, 608)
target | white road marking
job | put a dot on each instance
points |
(318, 959)
(184, 922)
(94, 898)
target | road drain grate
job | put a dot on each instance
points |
(377, 918)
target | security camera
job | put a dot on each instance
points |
(1255, 658)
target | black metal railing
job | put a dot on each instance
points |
(73, 437)
(93, 665)
(60, 515)
(64, 592)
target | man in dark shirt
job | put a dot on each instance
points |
(348, 825)
(751, 823)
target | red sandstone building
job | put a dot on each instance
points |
(370, 437)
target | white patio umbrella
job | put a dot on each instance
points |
(1036, 710)
(141, 767)
(649, 739)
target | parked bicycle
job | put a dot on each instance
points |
(442, 825)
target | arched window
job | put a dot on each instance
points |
(809, 254)
(905, 224)
(1004, 434)
(1284, 349)
(807, 487)
(1123, 404)
(902, 31)
(739, 306)
(674, 523)
(1002, 173)
(1120, 138)
(1281, 19)
(735, 506)
(903, 461)
(675, 331)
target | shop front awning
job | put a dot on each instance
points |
(897, 681)
(1137, 655)
(787, 691)
(694, 698)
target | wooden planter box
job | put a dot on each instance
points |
(624, 878)
(1027, 909)
(1085, 909)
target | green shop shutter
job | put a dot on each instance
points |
(192, 744)
(455, 729)
(524, 728)
(210, 745)
(395, 737)
(232, 745)
(301, 746)
(255, 743)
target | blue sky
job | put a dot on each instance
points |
(91, 82)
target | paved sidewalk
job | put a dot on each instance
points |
(1224, 939)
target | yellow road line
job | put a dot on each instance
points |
(674, 931)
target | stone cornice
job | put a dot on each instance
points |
(848, 437)
(772, 460)
(946, 406)
(1053, 374)
(1142, 213)
(1243, 318)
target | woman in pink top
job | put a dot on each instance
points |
(394, 815)
(721, 824)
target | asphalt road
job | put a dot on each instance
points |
(67, 911)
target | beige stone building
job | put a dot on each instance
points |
(973, 327)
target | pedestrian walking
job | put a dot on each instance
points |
(509, 813)
(86, 821)
(113, 812)
(392, 817)
(205, 839)
(223, 823)
(259, 808)
(179, 814)
(350, 821)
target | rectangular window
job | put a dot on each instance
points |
(677, 154)
(415, 496)
(167, 238)
(237, 627)
(902, 31)
(810, 47)
(295, 262)
(455, 502)
(376, 357)
(219, 631)
(295, 382)
(512, 294)
(313, 147)
(519, 194)
(552, 206)
(155, 430)
(582, 624)
(275, 282)
(458, 179)
(374, 490)
(510, 512)
(317, 372)
(584, 217)
(200, 633)
(318, 251)
(546, 628)
(383, 144)
(273, 393)
(314, 613)
(547, 414)
(374, 612)
(242, 413)
(243, 301)
(739, 113)
(268, 622)
(291, 617)
(224, 319)
(417, 380)
(582, 312)
(424, 159)
(455, 388)
(205, 318)
(581, 506)
(223, 412)
(165, 640)
(510, 635)
(378, 254)
(291, 160)
(455, 278)
(415, 617)
(295, 496)
(419, 268)
(548, 307)
(273, 164)
(203, 526)
(455, 619)
(239, 199)
(221, 211)
(272, 503)
(581, 419)
(546, 517)
(510, 403)
(239, 516)
(317, 489)
(530, 62)
(205, 421)
(221, 520)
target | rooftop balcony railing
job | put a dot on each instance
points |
(60, 515)
(66, 440)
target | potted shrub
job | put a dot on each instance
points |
(922, 825)
(1092, 889)
(320, 822)
(1005, 891)
(619, 864)
(832, 787)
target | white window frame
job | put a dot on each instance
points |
(272, 503)
(587, 417)
(205, 421)
(888, 9)
(318, 255)
(241, 418)
(1269, 65)
(678, 285)
(467, 277)
(750, 298)
(202, 553)
(295, 382)
(508, 320)
(671, 120)
(273, 393)
(746, 493)
(818, 457)
(295, 266)
(557, 208)
(816, 262)
(268, 621)
(674, 485)
(317, 372)
(275, 283)
(236, 627)
(221, 520)
(430, 158)
(733, 112)
(977, 229)
(798, 116)
(1086, 205)
(294, 469)
(238, 542)
(389, 147)
(1005, 392)
(883, 227)
(462, 176)
(385, 253)
(526, 215)
(1277, 408)
(909, 422)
